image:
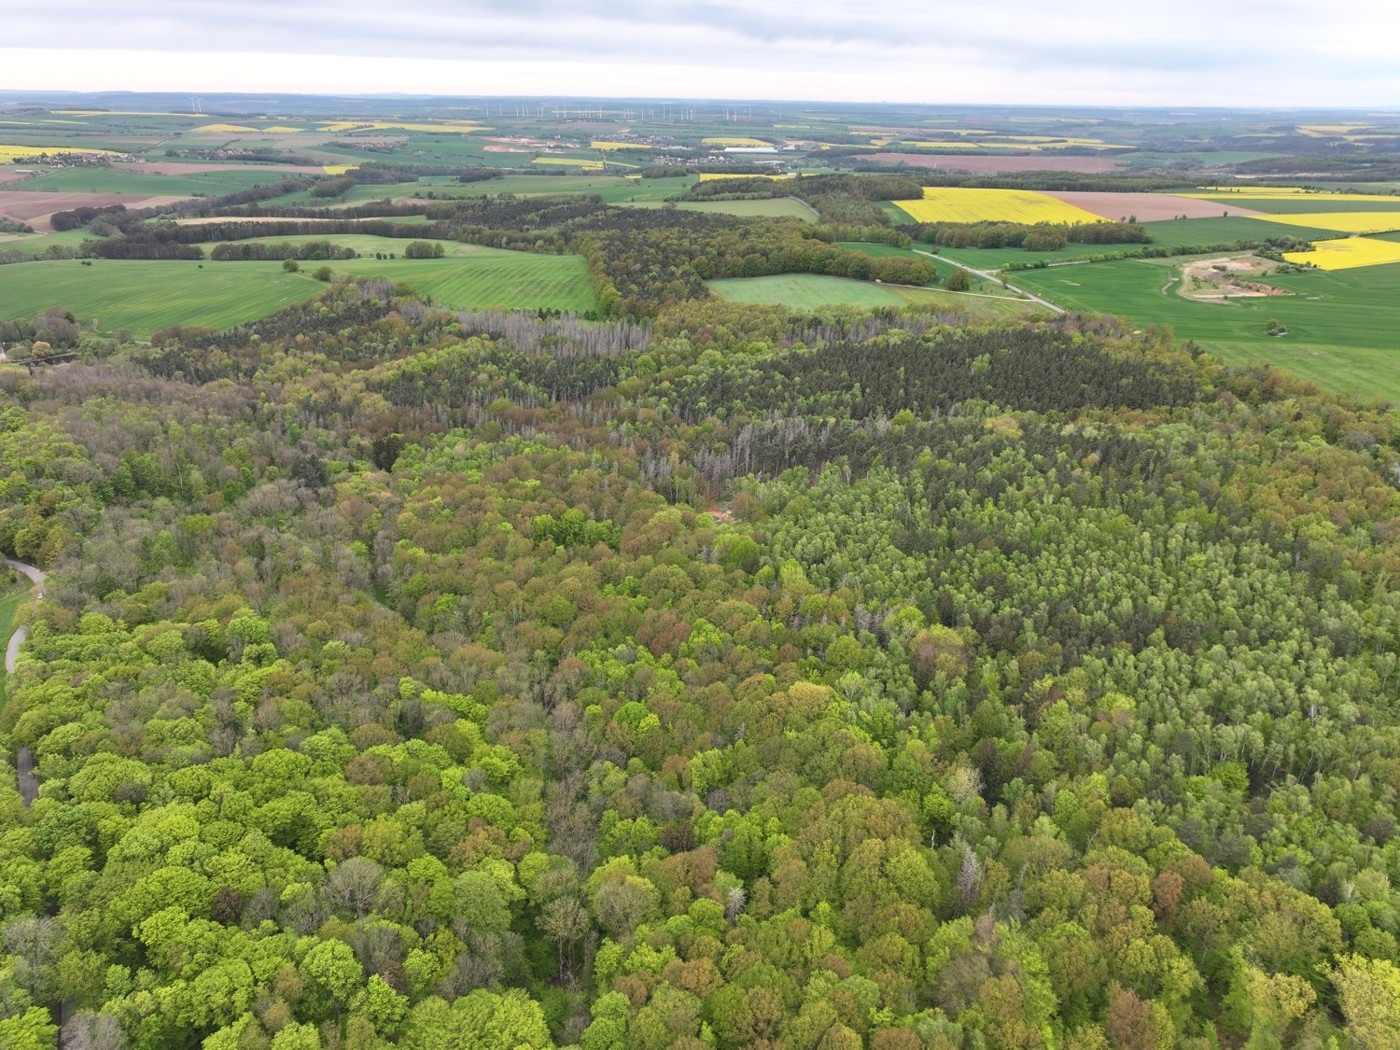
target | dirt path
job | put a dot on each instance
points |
(985, 275)
(24, 761)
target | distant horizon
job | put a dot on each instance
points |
(430, 96)
(1255, 53)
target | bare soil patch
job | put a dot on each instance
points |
(35, 208)
(984, 164)
(1227, 278)
(1147, 207)
(11, 176)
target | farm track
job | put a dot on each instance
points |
(987, 275)
(24, 760)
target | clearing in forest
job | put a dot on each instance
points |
(959, 204)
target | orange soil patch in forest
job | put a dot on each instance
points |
(981, 164)
(35, 208)
(1147, 207)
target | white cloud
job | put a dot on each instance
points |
(1251, 52)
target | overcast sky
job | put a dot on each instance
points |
(1092, 52)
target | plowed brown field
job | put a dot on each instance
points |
(1147, 207)
(35, 208)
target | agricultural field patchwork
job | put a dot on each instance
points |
(489, 279)
(944, 204)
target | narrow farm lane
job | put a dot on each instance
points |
(989, 276)
(24, 761)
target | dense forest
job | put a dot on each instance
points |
(726, 678)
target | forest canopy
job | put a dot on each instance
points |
(709, 677)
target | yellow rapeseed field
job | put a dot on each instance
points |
(957, 204)
(338, 169)
(591, 165)
(115, 113)
(9, 153)
(1324, 130)
(722, 140)
(1026, 142)
(460, 127)
(1283, 193)
(231, 128)
(1341, 221)
(710, 175)
(1347, 253)
(278, 129)
(597, 144)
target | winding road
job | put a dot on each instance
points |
(24, 761)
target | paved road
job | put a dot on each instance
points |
(993, 277)
(24, 761)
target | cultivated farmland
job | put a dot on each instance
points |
(813, 291)
(144, 296)
(1347, 253)
(1343, 221)
(942, 204)
(489, 278)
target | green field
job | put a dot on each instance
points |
(1308, 204)
(487, 278)
(1341, 324)
(614, 189)
(364, 243)
(39, 242)
(113, 180)
(775, 208)
(804, 291)
(143, 296)
(1174, 233)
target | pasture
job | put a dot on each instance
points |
(488, 278)
(804, 291)
(774, 208)
(144, 296)
(1341, 324)
(116, 180)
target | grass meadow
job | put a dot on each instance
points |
(1341, 324)
(802, 291)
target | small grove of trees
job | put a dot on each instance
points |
(423, 250)
(1035, 237)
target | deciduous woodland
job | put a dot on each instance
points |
(732, 678)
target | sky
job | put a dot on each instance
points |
(1293, 53)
